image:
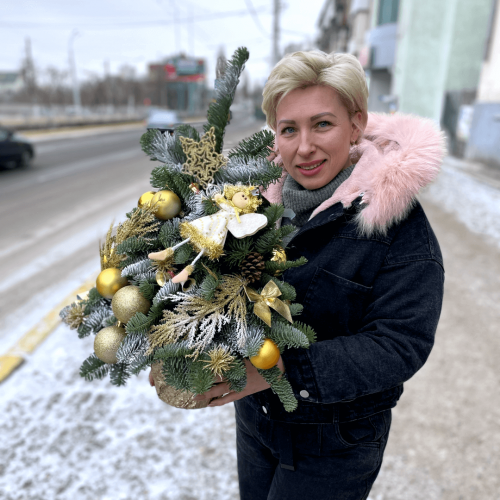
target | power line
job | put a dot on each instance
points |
(255, 17)
(126, 24)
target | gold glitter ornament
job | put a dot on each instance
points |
(107, 341)
(167, 204)
(145, 198)
(128, 301)
(268, 355)
(172, 396)
(109, 282)
(202, 159)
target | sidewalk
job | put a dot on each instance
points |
(470, 191)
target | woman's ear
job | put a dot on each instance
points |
(357, 126)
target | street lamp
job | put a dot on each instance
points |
(72, 64)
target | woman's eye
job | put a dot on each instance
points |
(288, 130)
(323, 124)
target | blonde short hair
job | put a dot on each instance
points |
(342, 72)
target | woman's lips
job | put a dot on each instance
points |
(311, 168)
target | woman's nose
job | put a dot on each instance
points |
(306, 145)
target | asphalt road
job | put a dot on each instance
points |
(445, 439)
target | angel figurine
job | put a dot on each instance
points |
(208, 234)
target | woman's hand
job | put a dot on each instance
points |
(221, 391)
(224, 395)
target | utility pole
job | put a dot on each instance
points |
(276, 33)
(72, 64)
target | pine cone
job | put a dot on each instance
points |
(252, 266)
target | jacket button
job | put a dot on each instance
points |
(264, 409)
(304, 393)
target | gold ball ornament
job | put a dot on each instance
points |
(168, 204)
(268, 356)
(109, 282)
(127, 301)
(107, 341)
(146, 198)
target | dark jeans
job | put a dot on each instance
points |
(278, 460)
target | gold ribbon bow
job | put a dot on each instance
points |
(266, 299)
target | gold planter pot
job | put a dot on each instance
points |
(172, 396)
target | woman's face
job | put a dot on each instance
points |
(314, 133)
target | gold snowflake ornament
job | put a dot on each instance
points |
(202, 159)
(220, 360)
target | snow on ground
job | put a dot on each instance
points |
(65, 438)
(474, 203)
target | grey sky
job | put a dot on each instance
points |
(136, 33)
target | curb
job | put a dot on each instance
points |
(17, 354)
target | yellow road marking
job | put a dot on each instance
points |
(15, 356)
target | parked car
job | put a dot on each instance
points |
(15, 151)
(164, 120)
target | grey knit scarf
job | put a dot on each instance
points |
(303, 202)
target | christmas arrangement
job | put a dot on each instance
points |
(191, 281)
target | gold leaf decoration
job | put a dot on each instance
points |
(198, 320)
(202, 159)
(142, 221)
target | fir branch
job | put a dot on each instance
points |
(169, 233)
(209, 206)
(272, 267)
(148, 290)
(140, 363)
(237, 375)
(259, 145)
(208, 287)
(163, 177)
(200, 379)
(119, 374)
(218, 111)
(177, 350)
(183, 254)
(258, 172)
(296, 309)
(238, 249)
(93, 368)
(175, 372)
(138, 323)
(132, 346)
(141, 266)
(272, 238)
(306, 330)
(281, 387)
(274, 212)
(167, 289)
(94, 321)
(133, 246)
(287, 336)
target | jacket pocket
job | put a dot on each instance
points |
(334, 306)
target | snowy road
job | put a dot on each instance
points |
(64, 438)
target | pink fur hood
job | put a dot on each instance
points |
(398, 155)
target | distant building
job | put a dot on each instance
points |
(10, 82)
(483, 135)
(333, 26)
(180, 83)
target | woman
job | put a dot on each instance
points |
(372, 288)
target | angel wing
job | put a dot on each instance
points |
(250, 224)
